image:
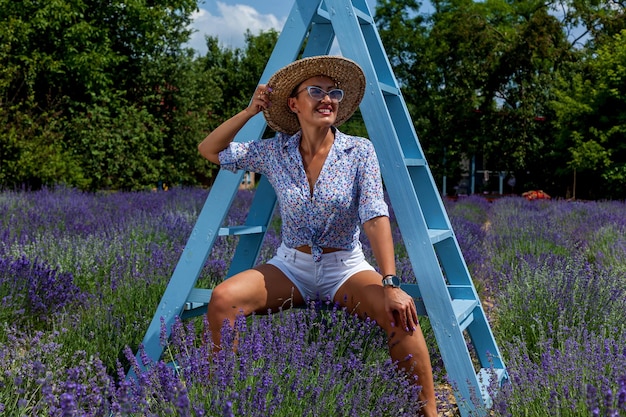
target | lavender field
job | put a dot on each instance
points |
(81, 275)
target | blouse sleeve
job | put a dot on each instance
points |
(242, 155)
(371, 196)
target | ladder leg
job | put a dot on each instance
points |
(445, 289)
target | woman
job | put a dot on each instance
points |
(328, 185)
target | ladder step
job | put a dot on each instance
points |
(415, 162)
(463, 307)
(196, 301)
(465, 292)
(438, 235)
(241, 230)
(364, 18)
(464, 311)
(199, 295)
(389, 90)
(485, 378)
(485, 375)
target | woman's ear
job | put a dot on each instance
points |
(291, 102)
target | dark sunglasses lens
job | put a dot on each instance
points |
(316, 93)
(336, 95)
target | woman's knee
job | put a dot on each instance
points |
(377, 314)
(390, 326)
(222, 304)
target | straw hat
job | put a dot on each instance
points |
(346, 74)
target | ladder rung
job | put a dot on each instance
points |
(485, 380)
(464, 292)
(323, 16)
(415, 162)
(438, 235)
(388, 90)
(463, 310)
(241, 230)
(363, 17)
(198, 297)
(485, 375)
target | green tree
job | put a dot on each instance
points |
(591, 118)
(48, 53)
(237, 72)
(477, 78)
(77, 67)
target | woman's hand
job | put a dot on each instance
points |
(260, 100)
(401, 309)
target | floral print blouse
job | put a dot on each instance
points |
(348, 191)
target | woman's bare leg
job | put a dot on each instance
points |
(253, 291)
(363, 294)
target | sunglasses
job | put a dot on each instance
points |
(318, 94)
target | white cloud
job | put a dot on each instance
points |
(229, 25)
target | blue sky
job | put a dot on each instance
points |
(229, 19)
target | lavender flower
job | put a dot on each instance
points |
(36, 290)
(94, 266)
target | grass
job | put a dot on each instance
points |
(81, 275)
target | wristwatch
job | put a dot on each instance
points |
(391, 281)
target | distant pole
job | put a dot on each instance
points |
(501, 181)
(445, 178)
(473, 174)
(574, 186)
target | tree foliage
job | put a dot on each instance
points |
(482, 79)
(590, 106)
(236, 72)
(104, 95)
(98, 94)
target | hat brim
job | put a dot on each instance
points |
(346, 74)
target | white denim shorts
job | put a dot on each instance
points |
(319, 280)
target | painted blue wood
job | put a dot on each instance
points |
(222, 193)
(191, 261)
(426, 230)
(259, 217)
(444, 290)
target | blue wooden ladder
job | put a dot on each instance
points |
(445, 292)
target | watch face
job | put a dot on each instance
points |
(391, 281)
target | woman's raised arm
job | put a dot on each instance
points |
(223, 135)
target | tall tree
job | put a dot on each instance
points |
(80, 74)
(590, 108)
(237, 71)
(478, 76)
